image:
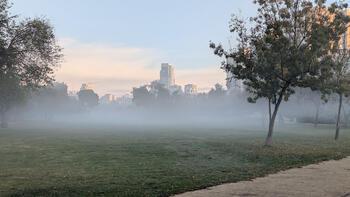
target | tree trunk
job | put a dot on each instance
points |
(338, 117)
(317, 116)
(268, 141)
(3, 120)
(269, 115)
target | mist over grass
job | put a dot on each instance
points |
(228, 111)
(63, 148)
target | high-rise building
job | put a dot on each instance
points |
(167, 75)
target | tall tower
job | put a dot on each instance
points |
(167, 76)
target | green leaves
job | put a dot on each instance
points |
(11, 92)
(88, 98)
(290, 44)
(28, 54)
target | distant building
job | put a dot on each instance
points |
(108, 99)
(191, 89)
(125, 100)
(175, 89)
(86, 86)
(167, 75)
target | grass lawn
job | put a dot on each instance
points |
(107, 161)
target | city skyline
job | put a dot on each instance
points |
(117, 50)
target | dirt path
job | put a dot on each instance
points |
(327, 179)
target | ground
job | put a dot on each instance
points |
(327, 179)
(115, 161)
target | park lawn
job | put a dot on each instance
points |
(110, 161)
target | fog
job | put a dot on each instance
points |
(219, 108)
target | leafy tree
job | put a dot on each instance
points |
(217, 92)
(289, 45)
(11, 93)
(142, 96)
(28, 55)
(154, 94)
(339, 83)
(51, 99)
(163, 95)
(88, 98)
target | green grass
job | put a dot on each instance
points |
(151, 162)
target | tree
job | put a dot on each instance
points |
(163, 95)
(154, 94)
(51, 100)
(339, 83)
(288, 46)
(88, 98)
(217, 92)
(28, 55)
(11, 93)
(142, 96)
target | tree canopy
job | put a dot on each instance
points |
(29, 53)
(88, 98)
(290, 44)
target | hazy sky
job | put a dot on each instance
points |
(120, 44)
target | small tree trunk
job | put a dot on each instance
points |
(269, 115)
(3, 120)
(317, 116)
(268, 141)
(338, 117)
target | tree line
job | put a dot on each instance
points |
(156, 94)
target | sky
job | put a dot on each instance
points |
(116, 45)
